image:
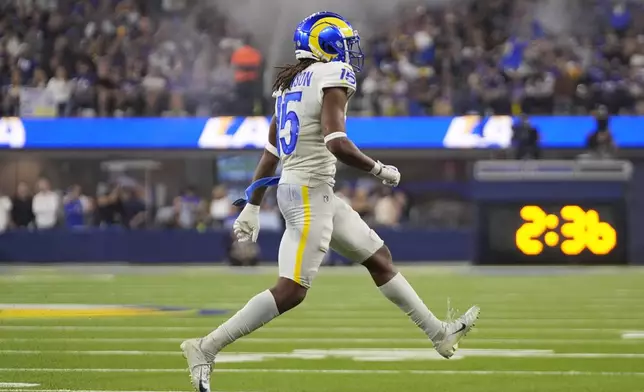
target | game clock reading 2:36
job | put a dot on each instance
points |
(538, 233)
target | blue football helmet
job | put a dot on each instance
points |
(327, 36)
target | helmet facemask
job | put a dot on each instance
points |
(355, 56)
(347, 50)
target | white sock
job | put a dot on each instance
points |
(258, 311)
(400, 292)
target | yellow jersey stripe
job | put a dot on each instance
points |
(297, 274)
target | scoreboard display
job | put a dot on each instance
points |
(552, 233)
(552, 212)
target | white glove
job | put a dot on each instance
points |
(389, 175)
(246, 226)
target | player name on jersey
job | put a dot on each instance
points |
(302, 79)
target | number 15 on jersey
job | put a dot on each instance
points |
(284, 116)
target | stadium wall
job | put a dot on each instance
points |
(179, 246)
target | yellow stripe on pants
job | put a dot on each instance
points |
(297, 274)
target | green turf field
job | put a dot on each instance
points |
(580, 331)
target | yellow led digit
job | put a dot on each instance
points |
(584, 230)
(601, 237)
(574, 230)
(526, 238)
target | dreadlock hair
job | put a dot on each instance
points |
(288, 72)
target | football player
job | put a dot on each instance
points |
(307, 135)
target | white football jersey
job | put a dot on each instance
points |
(304, 156)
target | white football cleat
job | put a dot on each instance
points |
(198, 365)
(454, 331)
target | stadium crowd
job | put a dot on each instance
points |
(497, 57)
(179, 58)
(124, 58)
(126, 205)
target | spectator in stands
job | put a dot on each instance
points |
(405, 206)
(525, 140)
(220, 205)
(154, 85)
(387, 210)
(39, 79)
(106, 84)
(134, 210)
(424, 95)
(495, 91)
(84, 90)
(539, 93)
(372, 90)
(109, 207)
(130, 96)
(22, 214)
(361, 203)
(222, 82)
(186, 208)
(247, 62)
(566, 73)
(199, 84)
(600, 143)
(11, 94)
(60, 87)
(5, 213)
(46, 206)
(165, 217)
(76, 207)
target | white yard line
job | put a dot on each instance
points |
(390, 320)
(123, 328)
(17, 385)
(548, 314)
(419, 341)
(335, 371)
(633, 335)
(368, 322)
(382, 354)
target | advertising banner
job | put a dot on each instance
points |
(466, 132)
